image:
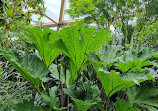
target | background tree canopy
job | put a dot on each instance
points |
(13, 11)
(15, 15)
(127, 16)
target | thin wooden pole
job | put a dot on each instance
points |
(61, 14)
(55, 25)
(51, 19)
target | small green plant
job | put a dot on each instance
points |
(85, 96)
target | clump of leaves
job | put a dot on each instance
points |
(109, 54)
(51, 98)
(121, 105)
(131, 72)
(84, 96)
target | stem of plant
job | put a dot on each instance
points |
(106, 107)
(68, 103)
(43, 86)
(37, 87)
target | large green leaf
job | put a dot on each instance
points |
(121, 105)
(135, 70)
(26, 106)
(142, 53)
(84, 96)
(78, 42)
(139, 75)
(112, 82)
(155, 55)
(109, 54)
(145, 95)
(29, 66)
(126, 66)
(42, 38)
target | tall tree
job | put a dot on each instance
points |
(119, 13)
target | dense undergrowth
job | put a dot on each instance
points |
(75, 69)
(80, 68)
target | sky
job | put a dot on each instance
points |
(53, 5)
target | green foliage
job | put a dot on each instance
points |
(132, 72)
(148, 36)
(7, 101)
(84, 96)
(13, 88)
(78, 42)
(136, 70)
(14, 16)
(113, 68)
(135, 57)
(144, 95)
(152, 9)
(142, 53)
(139, 75)
(26, 106)
(15, 11)
(112, 82)
(121, 105)
(124, 67)
(52, 99)
(155, 55)
(60, 74)
(101, 11)
(121, 14)
(29, 66)
(41, 40)
(108, 54)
